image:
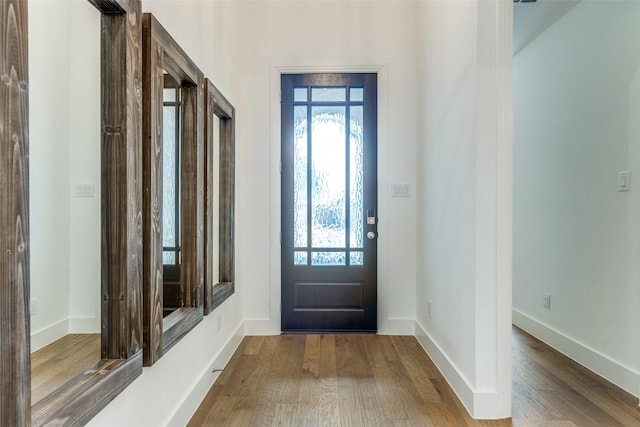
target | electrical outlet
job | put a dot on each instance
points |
(429, 308)
(546, 300)
(33, 306)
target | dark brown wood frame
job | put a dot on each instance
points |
(15, 381)
(80, 399)
(161, 53)
(217, 291)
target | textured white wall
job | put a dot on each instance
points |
(576, 118)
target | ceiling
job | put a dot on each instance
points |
(530, 19)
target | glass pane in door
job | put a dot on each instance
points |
(356, 178)
(300, 165)
(328, 211)
(328, 178)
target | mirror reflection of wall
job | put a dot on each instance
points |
(64, 115)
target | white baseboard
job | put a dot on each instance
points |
(613, 371)
(49, 334)
(454, 377)
(84, 325)
(262, 327)
(73, 325)
(397, 327)
(197, 393)
(479, 404)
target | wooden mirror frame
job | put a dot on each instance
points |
(15, 378)
(218, 289)
(79, 400)
(161, 53)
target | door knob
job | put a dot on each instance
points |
(371, 235)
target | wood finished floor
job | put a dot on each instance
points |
(374, 380)
(60, 361)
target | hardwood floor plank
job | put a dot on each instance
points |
(365, 387)
(531, 409)
(327, 365)
(271, 386)
(307, 414)
(293, 371)
(576, 392)
(285, 414)
(350, 411)
(241, 418)
(389, 390)
(372, 380)
(258, 360)
(415, 365)
(311, 361)
(59, 362)
(254, 345)
(329, 410)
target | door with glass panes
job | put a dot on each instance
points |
(329, 202)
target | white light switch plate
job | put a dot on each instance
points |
(400, 190)
(624, 181)
(84, 190)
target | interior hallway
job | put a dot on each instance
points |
(378, 380)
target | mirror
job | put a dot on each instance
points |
(64, 197)
(117, 175)
(171, 207)
(220, 199)
(173, 181)
(121, 218)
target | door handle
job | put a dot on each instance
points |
(371, 235)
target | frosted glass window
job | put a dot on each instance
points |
(328, 177)
(328, 94)
(356, 94)
(356, 258)
(300, 258)
(169, 95)
(356, 177)
(300, 94)
(328, 258)
(171, 177)
(300, 172)
(328, 157)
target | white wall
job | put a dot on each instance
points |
(282, 36)
(577, 117)
(84, 167)
(64, 118)
(464, 199)
(48, 165)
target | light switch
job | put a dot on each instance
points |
(401, 190)
(624, 181)
(84, 190)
